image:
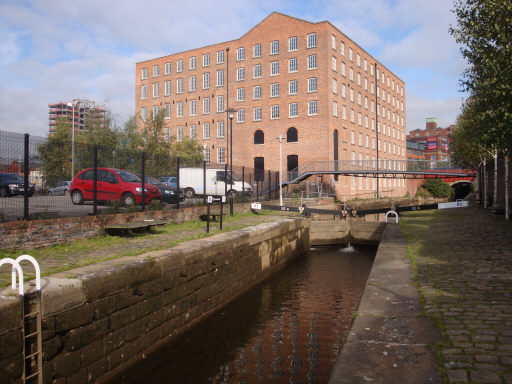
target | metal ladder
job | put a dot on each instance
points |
(31, 329)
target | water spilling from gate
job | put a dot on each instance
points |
(289, 329)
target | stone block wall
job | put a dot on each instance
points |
(100, 318)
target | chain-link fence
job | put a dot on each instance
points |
(40, 179)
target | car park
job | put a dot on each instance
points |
(170, 194)
(12, 184)
(112, 185)
(61, 188)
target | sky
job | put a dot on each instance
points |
(59, 50)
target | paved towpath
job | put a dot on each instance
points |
(463, 261)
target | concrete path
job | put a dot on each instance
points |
(463, 263)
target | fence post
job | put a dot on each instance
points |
(269, 185)
(225, 182)
(278, 187)
(178, 180)
(204, 182)
(95, 187)
(143, 171)
(26, 170)
(243, 180)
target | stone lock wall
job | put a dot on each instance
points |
(100, 318)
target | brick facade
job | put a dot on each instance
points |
(345, 77)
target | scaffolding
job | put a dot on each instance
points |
(84, 110)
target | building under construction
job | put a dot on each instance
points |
(83, 110)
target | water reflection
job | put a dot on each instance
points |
(287, 330)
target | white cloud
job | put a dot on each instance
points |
(419, 108)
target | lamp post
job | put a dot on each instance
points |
(73, 105)
(231, 112)
(280, 138)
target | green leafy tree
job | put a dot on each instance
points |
(437, 188)
(56, 154)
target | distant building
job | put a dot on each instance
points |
(436, 141)
(415, 151)
(83, 109)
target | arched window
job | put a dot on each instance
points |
(291, 135)
(259, 137)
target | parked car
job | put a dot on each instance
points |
(169, 181)
(113, 185)
(61, 188)
(170, 194)
(12, 184)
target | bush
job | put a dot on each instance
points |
(437, 188)
(422, 192)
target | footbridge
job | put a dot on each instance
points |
(392, 169)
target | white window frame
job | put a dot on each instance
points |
(293, 44)
(256, 51)
(240, 54)
(274, 47)
(293, 87)
(311, 40)
(293, 110)
(167, 68)
(274, 112)
(256, 92)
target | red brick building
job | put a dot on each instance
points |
(436, 141)
(308, 82)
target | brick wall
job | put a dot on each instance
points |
(99, 318)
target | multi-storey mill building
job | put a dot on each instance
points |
(308, 82)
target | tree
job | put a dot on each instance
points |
(56, 154)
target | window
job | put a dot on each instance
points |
(343, 90)
(351, 74)
(293, 109)
(155, 90)
(358, 79)
(292, 65)
(192, 83)
(206, 80)
(344, 112)
(240, 94)
(220, 155)
(333, 65)
(358, 60)
(333, 42)
(291, 135)
(360, 139)
(366, 121)
(192, 63)
(167, 90)
(179, 85)
(335, 109)
(359, 119)
(359, 98)
(220, 103)
(292, 43)
(220, 129)
(144, 92)
(179, 133)
(352, 138)
(192, 107)
(312, 84)
(312, 62)
(240, 54)
(240, 116)
(207, 155)
(167, 68)
(365, 84)
(179, 109)
(144, 73)
(167, 109)
(256, 71)
(193, 131)
(313, 107)
(220, 57)
(351, 92)
(334, 86)
(257, 114)
(259, 137)
(179, 66)
(274, 90)
(256, 92)
(256, 50)
(156, 70)
(206, 106)
(311, 40)
(343, 69)
(342, 48)
(292, 87)
(274, 112)
(350, 54)
(365, 65)
(259, 169)
(274, 47)
(206, 130)
(206, 60)
(352, 116)
(167, 134)
(240, 74)
(143, 114)
(274, 68)
(220, 78)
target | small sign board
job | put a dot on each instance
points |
(216, 199)
(455, 204)
(255, 205)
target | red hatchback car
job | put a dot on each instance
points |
(113, 184)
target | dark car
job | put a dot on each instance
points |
(169, 193)
(12, 184)
(112, 185)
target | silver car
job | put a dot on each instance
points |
(61, 188)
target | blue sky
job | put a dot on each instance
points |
(58, 50)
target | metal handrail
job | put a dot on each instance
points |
(15, 268)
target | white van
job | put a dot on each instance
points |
(191, 181)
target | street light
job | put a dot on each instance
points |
(231, 113)
(73, 105)
(280, 138)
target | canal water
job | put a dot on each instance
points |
(289, 329)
